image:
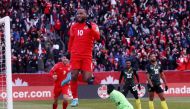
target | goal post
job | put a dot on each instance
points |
(8, 64)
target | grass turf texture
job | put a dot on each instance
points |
(173, 103)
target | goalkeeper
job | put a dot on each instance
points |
(120, 101)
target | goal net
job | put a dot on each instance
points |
(6, 99)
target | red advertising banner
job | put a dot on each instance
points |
(100, 78)
(178, 90)
(30, 93)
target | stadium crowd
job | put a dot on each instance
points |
(130, 29)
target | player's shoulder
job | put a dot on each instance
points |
(148, 66)
(93, 24)
(73, 24)
(59, 63)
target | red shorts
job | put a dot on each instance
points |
(79, 63)
(64, 90)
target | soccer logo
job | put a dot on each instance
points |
(141, 92)
(102, 92)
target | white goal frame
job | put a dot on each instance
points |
(8, 64)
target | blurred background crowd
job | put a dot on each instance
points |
(130, 29)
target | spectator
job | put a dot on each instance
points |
(129, 29)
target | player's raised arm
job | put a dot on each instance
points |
(95, 31)
(71, 38)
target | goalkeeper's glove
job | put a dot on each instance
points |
(166, 88)
(88, 23)
(66, 80)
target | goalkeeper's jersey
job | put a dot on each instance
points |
(120, 101)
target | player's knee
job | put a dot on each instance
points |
(55, 101)
(162, 98)
(74, 75)
(151, 98)
(66, 98)
(136, 96)
(87, 78)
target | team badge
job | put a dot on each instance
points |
(102, 92)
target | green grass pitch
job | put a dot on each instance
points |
(173, 103)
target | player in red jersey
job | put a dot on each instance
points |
(83, 34)
(60, 72)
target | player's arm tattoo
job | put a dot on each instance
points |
(136, 75)
(121, 76)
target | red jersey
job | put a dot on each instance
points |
(82, 39)
(61, 70)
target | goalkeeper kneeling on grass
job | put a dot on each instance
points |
(117, 97)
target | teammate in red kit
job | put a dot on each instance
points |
(60, 72)
(83, 34)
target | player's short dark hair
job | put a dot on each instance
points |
(128, 60)
(83, 9)
(152, 53)
(110, 88)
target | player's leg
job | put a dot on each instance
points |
(75, 66)
(151, 97)
(57, 92)
(74, 87)
(133, 90)
(66, 98)
(160, 93)
(125, 90)
(87, 69)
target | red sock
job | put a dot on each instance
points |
(80, 78)
(54, 106)
(74, 89)
(65, 104)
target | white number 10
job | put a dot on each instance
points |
(80, 32)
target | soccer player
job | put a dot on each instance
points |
(60, 72)
(118, 98)
(154, 73)
(82, 36)
(129, 75)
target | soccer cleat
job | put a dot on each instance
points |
(74, 103)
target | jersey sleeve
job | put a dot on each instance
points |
(71, 38)
(95, 31)
(53, 69)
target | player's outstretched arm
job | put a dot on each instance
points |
(67, 79)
